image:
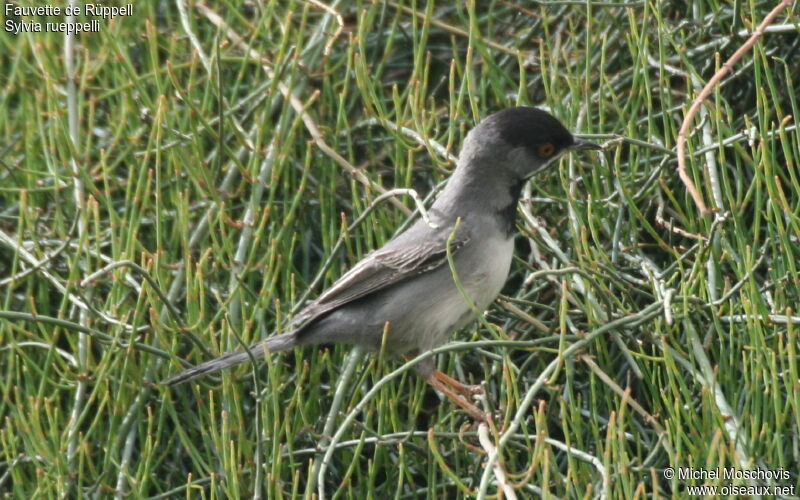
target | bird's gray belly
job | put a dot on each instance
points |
(422, 311)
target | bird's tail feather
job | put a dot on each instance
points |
(277, 343)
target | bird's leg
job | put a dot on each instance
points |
(450, 387)
(457, 385)
(461, 401)
(426, 370)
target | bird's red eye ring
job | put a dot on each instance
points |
(545, 150)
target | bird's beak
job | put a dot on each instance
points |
(581, 144)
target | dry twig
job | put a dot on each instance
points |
(727, 67)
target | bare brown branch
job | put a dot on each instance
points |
(695, 108)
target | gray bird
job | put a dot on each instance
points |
(407, 285)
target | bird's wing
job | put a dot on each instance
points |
(410, 254)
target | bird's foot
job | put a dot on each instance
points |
(458, 399)
(457, 385)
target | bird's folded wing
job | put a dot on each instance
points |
(397, 261)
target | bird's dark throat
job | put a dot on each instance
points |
(507, 215)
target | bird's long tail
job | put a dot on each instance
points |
(277, 343)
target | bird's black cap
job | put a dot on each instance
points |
(530, 127)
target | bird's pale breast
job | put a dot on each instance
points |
(482, 268)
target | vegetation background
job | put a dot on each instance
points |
(176, 184)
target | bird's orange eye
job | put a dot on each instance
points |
(545, 150)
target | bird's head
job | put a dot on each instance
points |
(521, 141)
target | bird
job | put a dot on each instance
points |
(406, 289)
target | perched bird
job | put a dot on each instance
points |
(407, 285)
